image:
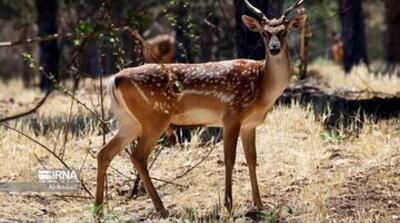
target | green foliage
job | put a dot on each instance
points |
(190, 214)
(290, 210)
(332, 137)
(143, 21)
(83, 29)
(179, 86)
(96, 209)
(28, 58)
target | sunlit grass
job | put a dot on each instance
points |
(360, 79)
(301, 165)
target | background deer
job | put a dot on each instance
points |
(337, 48)
(162, 49)
(235, 95)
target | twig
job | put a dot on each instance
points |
(197, 164)
(321, 21)
(226, 19)
(65, 91)
(103, 127)
(156, 157)
(66, 130)
(39, 161)
(33, 110)
(83, 163)
(73, 196)
(48, 150)
(41, 39)
(43, 100)
(210, 24)
(192, 167)
(170, 182)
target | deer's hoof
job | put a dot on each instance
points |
(259, 206)
(163, 213)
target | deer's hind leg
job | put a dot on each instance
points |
(128, 131)
(150, 134)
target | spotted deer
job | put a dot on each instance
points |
(162, 49)
(235, 95)
(337, 49)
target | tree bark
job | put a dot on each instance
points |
(27, 72)
(392, 45)
(305, 37)
(249, 44)
(353, 33)
(47, 11)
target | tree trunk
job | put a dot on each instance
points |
(392, 45)
(183, 41)
(183, 52)
(47, 11)
(27, 72)
(249, 44)
(305, 37)
(353, 33)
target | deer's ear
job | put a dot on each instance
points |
(251, 23)
(297, 22)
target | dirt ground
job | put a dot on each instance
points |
(307, 173)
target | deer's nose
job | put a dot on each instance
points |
(275, 49)
(274, 46)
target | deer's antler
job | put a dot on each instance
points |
(297, 4)
(256, 11)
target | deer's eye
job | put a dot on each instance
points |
(264, 34)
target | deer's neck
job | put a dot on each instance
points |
(276, 78)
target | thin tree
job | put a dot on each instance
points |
(392, 44)
(47, 11)
(353, 33)
(249, 44)
(183, 40)
(183, 49)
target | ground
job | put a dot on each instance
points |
(307, 173)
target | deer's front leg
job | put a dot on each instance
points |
(231, 134)
(249, 145)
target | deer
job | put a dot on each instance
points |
(235, 94)
(337, 49)
(162, 49)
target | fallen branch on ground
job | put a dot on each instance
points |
(50, 151)
(31, 111)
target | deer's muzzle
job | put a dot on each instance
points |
(274, 46)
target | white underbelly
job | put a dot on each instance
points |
(198, 116)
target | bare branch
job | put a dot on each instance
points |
(50, 151)
(41, 39)
(31, 111)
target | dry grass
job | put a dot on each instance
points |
(360, 79)
(306, 174)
